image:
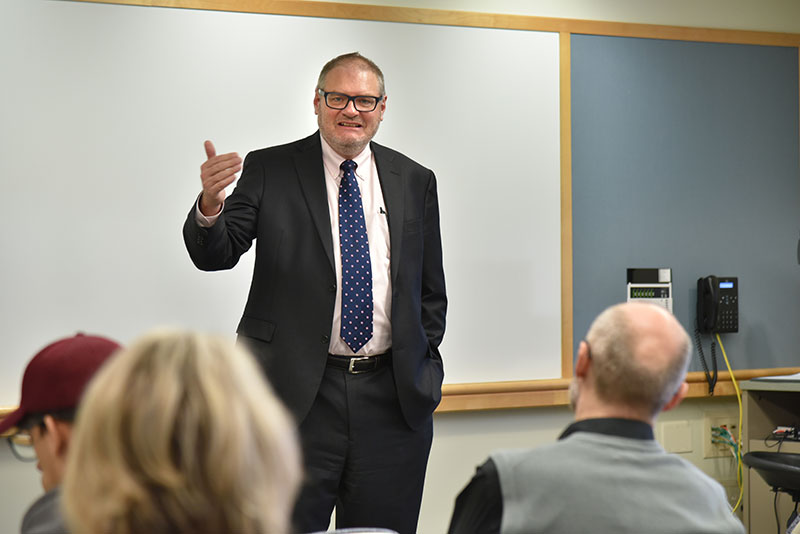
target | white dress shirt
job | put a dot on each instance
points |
(379, 253)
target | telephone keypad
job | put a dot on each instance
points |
(728, 320)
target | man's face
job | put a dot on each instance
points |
(348, 130)
(45, 452)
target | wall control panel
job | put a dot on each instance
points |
(650, 285)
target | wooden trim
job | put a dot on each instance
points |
(472, 19)
(565, 104)
(532, 393)
(683, 33)
(4, 411)
(554, 392)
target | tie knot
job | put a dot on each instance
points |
(348, 165)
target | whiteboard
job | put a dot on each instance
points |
(104, 112)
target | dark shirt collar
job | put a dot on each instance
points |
(612, 426)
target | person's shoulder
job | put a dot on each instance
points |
(44, 516)
(385, 154)
(311, 142)
(509, 460)
(691, 471)
(700, 487)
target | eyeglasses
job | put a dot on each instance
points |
(340, 101)
(21, 443)
(21, 446)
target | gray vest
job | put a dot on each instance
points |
(591, 482)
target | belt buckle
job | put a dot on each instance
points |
(352, 370)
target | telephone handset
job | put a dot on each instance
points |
(717, 304)
(717, 312)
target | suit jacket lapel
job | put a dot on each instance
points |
(311, 174)
(393, 187)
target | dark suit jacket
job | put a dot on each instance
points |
(281, 202)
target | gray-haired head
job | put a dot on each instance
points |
(347, 59)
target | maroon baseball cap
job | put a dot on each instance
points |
(55, 377)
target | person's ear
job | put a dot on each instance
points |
(678, 397)
(382, 106)
(59, 433)
(584, 360)
(49, 423)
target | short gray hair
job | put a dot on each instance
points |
(346, 59)
(620, 370)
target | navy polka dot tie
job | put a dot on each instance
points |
(356, 268)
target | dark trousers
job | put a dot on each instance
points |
(361, 456)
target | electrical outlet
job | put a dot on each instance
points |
(718, 450)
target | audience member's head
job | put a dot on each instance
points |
(51, 388)
(181, 434)
(632, 364)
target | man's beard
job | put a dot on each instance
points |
(574, 392)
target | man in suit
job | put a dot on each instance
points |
(606, 473)
(363, 395)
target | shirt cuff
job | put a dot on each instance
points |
(201, 220)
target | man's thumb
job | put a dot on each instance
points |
(210, 151)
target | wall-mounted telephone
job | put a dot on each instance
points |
(717, 304)
(717, 313)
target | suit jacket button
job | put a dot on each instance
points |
(325, 339)
(332, 289)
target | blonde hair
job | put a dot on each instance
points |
(181, 434)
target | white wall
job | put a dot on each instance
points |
(462, 440)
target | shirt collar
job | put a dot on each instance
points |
(611, 426)
(332, 161)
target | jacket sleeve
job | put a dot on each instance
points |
(220, 246)
(479, 506)
(434, 297)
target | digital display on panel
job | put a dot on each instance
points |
(726, 285)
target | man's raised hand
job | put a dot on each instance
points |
(217, 173)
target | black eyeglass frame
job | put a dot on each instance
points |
(324, 94)
(22, 438)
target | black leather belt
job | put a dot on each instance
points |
(359, 364)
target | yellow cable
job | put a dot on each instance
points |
(739, 448)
